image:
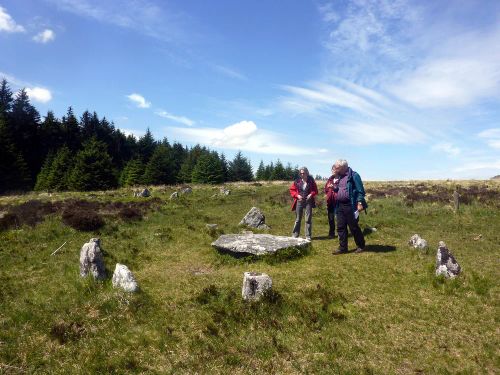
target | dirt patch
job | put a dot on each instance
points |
(77, 213)
(64, 332)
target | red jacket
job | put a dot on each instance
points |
(294, 191)
(331, 195)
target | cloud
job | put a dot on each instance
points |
(39, 94)
(139, 100)
(180, 119)
(447, 148)
(493, 166)
(361, 133)
(231, 73)
(133, 132)
(44, 36)
(244, 136)
(8, 24)
(142, 16)
(492, 137)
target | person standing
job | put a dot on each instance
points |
(330, 202)
(303, 192)
(350, 201)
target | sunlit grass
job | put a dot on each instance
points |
(379, 312)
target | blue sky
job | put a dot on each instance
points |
(401, 89)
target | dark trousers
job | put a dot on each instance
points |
(330, 211)
(345, 218)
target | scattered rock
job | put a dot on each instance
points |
(174, 195)
(446, 264)
(478, 237)
(142, 193)
(417, 242)
(257, 244)
(123, 278)
(254, 285)
(255, 219)
(91, 260)
(372, 229)
(186, 190)
(225, 191)
(211, 226)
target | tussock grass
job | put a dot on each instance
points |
(379, 312)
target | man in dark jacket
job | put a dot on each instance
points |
(350, 201)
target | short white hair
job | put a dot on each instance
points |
(341, 163)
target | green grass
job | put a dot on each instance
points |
(380, 312)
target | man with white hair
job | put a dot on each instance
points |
(350, 200)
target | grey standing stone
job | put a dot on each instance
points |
(174, 195)
(91, 260)
(255, 219)
(123, 278)
(255, 284)
(225, 191)
(186, 190)
(446, 263)
(417, 242)
(257, 244)
(142, 193)
(211, 226)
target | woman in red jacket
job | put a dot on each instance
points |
(303, 191)
(330, 187)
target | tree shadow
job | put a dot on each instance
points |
(380, 248)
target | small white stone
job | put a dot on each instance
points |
(123, 278)
(254, 285)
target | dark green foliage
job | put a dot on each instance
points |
(279, 172)
(240, 169)
(133, 173)
(208, 169)
(55, 173)
(146, 146)
(159, 169)
(71, 130)
(5, 97)
(186, 171)
(93, 169)
(14, 173)
(260, 174)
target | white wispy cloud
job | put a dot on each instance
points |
(139, 100)
(447, 148)
(230, 72)
(491, 136)
(45, 36)
(180, 119)
(140, 15)
(133, 132)
(361, 133)
(244, 136)
(8, 24)
(39, 94)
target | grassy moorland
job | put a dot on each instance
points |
(379, 312)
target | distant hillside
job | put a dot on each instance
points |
(497, 177)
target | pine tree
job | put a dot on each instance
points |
(146, 146)
(279, 172)
(42, 177)
(6, 98)
(268, 171)
(93, 168)
(60, 170)
(186, 171)
(260, 174)
(240, 169)
(133, 173)
(208, 169)
(71, 130)
(51, 134)
(14, 173)
(179, 155)
(159, 169)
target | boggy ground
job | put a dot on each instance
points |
(380, 312)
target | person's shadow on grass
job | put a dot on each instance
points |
(379, 248)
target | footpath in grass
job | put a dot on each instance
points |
(379, 312)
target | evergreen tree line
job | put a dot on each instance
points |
(276, 171)
(91, 154)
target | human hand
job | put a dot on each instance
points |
(308, 197)
(360, 206)
(299, 197)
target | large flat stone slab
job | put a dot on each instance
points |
(257, 244)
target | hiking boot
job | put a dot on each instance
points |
(339, 252)
(331, 235)
(359, 250)
(308, 238)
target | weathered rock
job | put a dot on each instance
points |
(123, 278)
(417, 242)
(211, 226)
(174, 195)
(257, 244)
(91, 260)
(225, 191)
(186, 190)
(142, 193)
(446, 264)
(255, 219)
(255, 284)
